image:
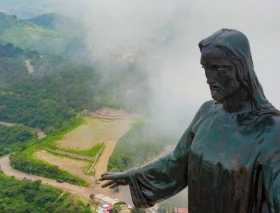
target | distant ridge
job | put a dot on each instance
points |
(36, 34)
(55, 21)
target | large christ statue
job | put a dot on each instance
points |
(229, 156)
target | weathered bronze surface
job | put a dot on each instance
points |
(229, 157)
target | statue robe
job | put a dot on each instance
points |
(227, 168)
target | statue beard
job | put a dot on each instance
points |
(219, 94)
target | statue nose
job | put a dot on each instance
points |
(210, 81)
(209, 76)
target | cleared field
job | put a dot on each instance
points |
(93, 132)
(73, 166)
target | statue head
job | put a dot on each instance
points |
(232, 47)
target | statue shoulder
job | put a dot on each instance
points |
(207, 106)
(276, 122)
(204, 110)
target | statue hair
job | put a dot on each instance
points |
(236, 45)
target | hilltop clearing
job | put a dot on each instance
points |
(94, 131)
(84, 135)
(71, 165)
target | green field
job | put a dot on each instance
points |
(87, 136)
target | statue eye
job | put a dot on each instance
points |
(221, 70)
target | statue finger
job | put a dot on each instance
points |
(108, 183)
(113, 185)
(107, 173)
(112, 176)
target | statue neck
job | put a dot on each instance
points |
(238, 103)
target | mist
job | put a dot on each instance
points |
(168, 32)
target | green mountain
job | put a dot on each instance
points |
(27, 35)
(58, 88)
(57, 22)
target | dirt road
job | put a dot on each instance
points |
(82, 191)
(29, 67)
(101, 165)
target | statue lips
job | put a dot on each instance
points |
(215, 91)
(214, 88)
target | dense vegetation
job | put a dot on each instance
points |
(14, 138)
(26, 196)
(12, 60)
(59, 88)
(23, 162)
(139, 145)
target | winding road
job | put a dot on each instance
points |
(82, 191)
(74, 189)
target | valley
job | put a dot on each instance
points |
(69, 114)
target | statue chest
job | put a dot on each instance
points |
(231, 147)
(222, 165)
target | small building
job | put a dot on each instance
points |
(181, 210)
(104, 209)
(103, 199)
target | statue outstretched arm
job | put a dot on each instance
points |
(159, 179)
(166, 176)
(162, 178)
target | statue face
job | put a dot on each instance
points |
(221, 74)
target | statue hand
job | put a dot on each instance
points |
(115, 179)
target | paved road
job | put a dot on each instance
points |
(82, 191)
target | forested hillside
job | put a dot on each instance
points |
(26, 196)
(62, 84)
(59, 88)
(141, 144)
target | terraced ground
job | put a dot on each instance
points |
(91, 133)
(71, 165)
